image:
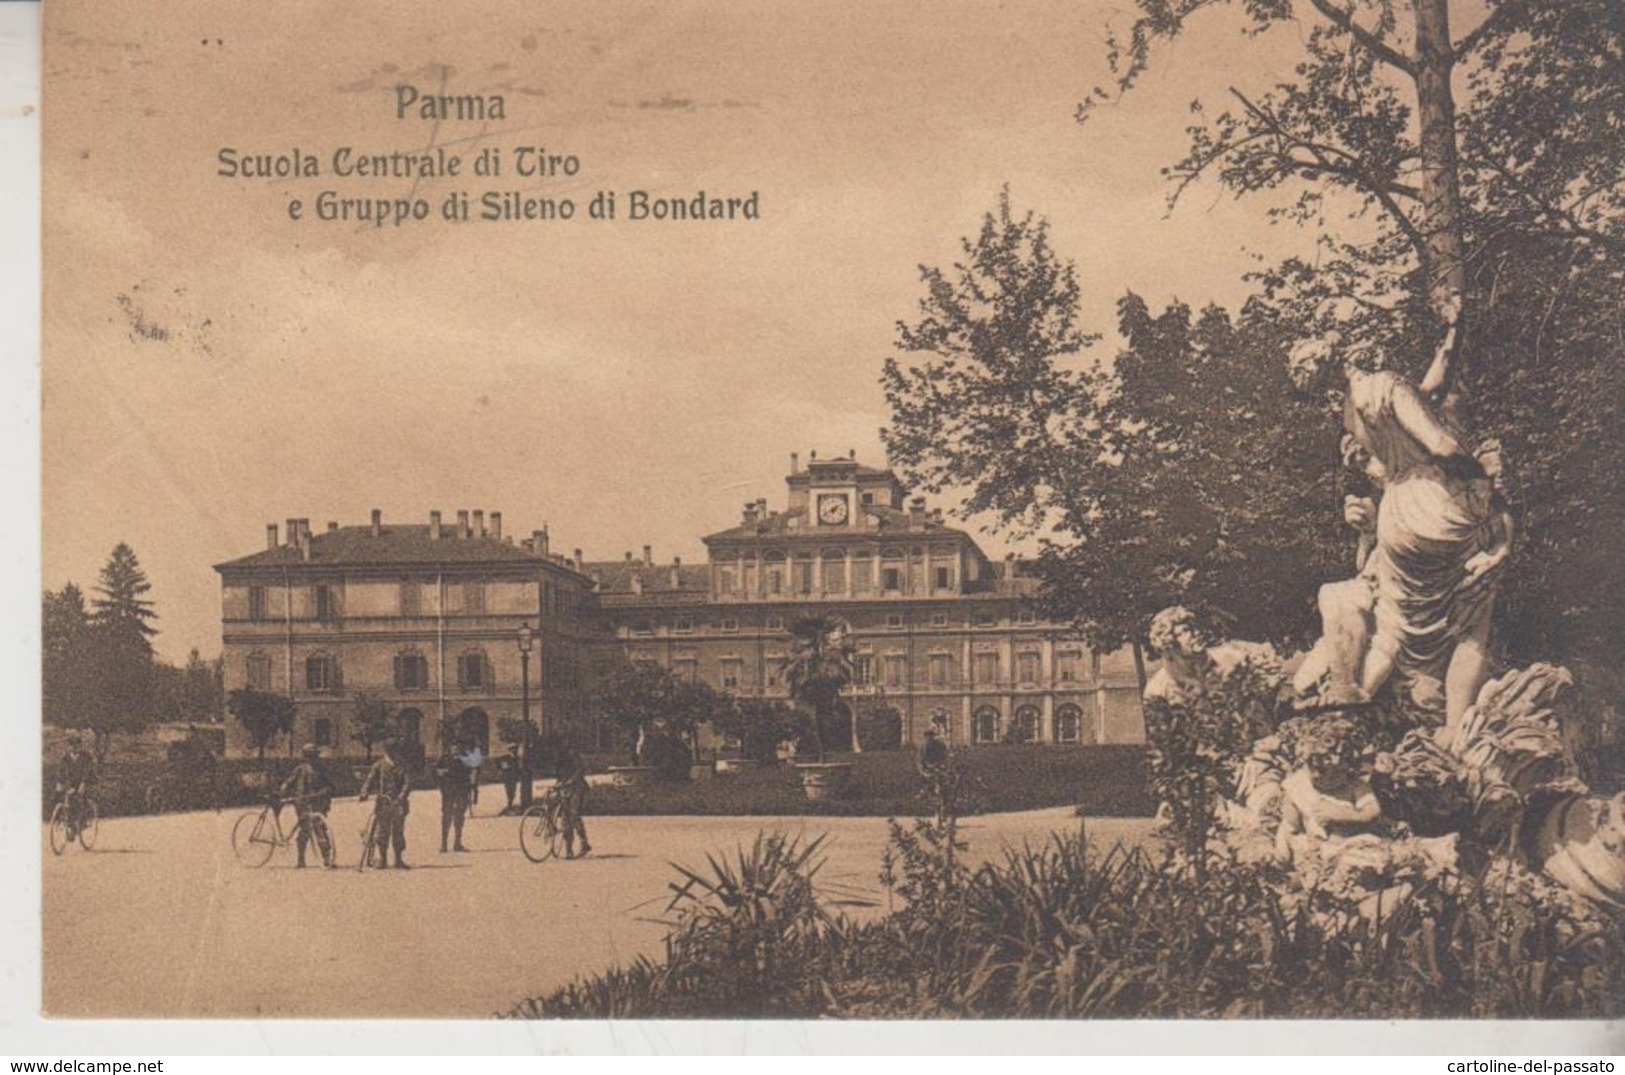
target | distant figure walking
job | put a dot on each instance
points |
(508, 767)
(936, 769)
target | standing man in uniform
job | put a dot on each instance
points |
(392, 782)
(455, 779)
(508, 766)
(311, 789)
(573, 788)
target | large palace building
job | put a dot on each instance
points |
(428, 619)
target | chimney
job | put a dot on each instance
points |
(579, 558)
(377, 522)
(304, 539)
(293, 532)
(795, 462)
(496, 525)
(434, 526)
(538, 541)
(676, 572)
(648, 554)
(332, 526)
(851, 453)
(270, 535)
(812, 456)
(462, 524)
(750, 513)
(478, 529)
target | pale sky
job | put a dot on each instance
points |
(211, 366)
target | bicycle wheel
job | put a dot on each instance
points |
(59, 829)
(89, 826)
(369, 833)
(254, 838)
(539, 834)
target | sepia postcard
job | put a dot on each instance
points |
(847, 511)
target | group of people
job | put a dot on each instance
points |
(389, 781)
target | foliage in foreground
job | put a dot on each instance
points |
(1064, 931)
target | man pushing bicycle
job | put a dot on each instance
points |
(391, 780)
(311, 789)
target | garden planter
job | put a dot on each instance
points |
(632, 776)
(821, 781)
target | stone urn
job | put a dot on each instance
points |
(822, 781)
(632, 776)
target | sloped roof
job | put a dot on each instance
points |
(615, 576)
(395, 544)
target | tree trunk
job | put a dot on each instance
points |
(857, 745)
(1139, 665)
(1441, 183)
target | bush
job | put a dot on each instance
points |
(1064, 931)
(669, 756)
(881, 729)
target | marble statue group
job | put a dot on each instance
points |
(1394, 750)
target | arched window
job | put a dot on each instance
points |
(1029, 724)
(1068, 724)
(985, 725)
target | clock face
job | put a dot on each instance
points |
(832, 509)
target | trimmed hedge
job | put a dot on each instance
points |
(1101, 781)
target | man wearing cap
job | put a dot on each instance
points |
(393, 783)
(456, 779)
(311, 789)
(73, 777)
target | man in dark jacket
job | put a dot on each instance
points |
(390, 778)
(311, 789)
(456, 782)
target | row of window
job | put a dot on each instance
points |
(327, 605)
(322, 673)
(987, 725)
(830, 577)
(892, 670)
(895, 621)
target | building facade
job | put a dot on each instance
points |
(426, 618)
(940, 630)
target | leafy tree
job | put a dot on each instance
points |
(759, 725)
(1188, 473)
(65, 658)
(817, 669)
(881, 727)
(202, 689)
(645, 701)
(375, 722)
(1501, 187)
(262, 714)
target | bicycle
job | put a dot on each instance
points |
(385, 804)
(258, 833)
(542, 826)
(74, 818)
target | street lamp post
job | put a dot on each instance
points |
(526, 745)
